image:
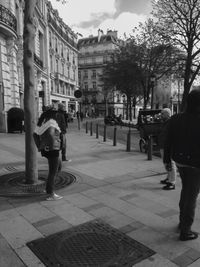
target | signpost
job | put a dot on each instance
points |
(78, 94)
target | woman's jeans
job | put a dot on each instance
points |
(190, 178)
(171, 175)
(54, 168)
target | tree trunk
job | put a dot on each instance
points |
(31, 170)
(185, 95)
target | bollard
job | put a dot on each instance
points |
(86, 127)
(150, 147)
(104, 133)
(128, 143)
(79, 126)
(91, 133)
(97, 131)
(115, 136)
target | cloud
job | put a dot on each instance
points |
(133, 6)
(95, 21)
(124, 23)
(76, 11)
(86, 16)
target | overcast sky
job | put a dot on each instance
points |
(87, 16)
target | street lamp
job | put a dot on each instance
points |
(152, 81)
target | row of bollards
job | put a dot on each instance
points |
(89, 127)
(128, 140)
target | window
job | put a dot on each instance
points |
(52, 86)
(105, 59)
(93, 60)
(51, 63)
(56, 44)
(86, 86)
(68, 72)
(94, 85)
(63, 69)
(50, 39)
(62, 50)
(57, 70)
(74, 74)
(94, 74)
(67, 54)
(41, 43)
(85, 74)
(57, 86)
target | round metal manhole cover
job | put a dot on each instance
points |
(14, 184)
(87, 249)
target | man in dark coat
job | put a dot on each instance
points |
(182, 144)
(63, 124)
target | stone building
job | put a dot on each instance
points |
(168, 92)
(94, 53)
(10, 39)
(63, 61)
(55, 59)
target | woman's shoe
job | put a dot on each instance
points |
(54, 197)
(169, 186)
(188, 236)
(165, 181)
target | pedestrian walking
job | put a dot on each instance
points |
(170, 180)
(62, 120)
(81, 116)
(182, 144)
(48, 142)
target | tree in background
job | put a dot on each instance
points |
(143, 55)
(179, 24)
(31, 168)
(121, 74)
(154, 55)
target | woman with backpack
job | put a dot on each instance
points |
(48, 142)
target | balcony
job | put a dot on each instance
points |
(38, 61)
(8, 22)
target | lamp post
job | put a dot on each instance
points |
(152, 81)
(123, 105)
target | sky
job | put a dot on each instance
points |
(87, 16)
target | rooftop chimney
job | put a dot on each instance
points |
(100, 33)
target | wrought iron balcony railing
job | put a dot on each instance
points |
(38, 61)
(7, 18)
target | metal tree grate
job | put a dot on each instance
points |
(92, 244)
(13, 184)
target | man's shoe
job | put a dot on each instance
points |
(54, 197)
(165, 181)
(169, 186)
(188, 236)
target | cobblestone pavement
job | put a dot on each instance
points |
(122, 188)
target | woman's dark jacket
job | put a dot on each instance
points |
(182, 142)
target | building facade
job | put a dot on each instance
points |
(94, 53)
(10, 32)
(168, 92)
(55, 59)
(63, 61)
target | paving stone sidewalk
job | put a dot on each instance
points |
(122, 188)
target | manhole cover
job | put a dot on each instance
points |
(13, 184)
(92, 244)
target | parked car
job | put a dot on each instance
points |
(113, 120)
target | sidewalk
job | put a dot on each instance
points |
(122, 188)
